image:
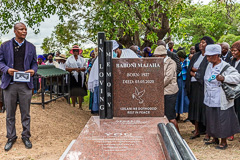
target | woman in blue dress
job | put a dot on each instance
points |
(182, 99)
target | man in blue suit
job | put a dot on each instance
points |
(16, 55)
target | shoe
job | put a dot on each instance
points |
(195, 136)
(206, 139)
(27, 142)
(221, 147)
(9, 144)
(212, 142)
(230, 138)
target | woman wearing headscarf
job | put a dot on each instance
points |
(182, 99)
(147, 52)
(137, 50)
(92, 55)
(195, 88)
(76, 65)
(41, 60)
(93, 83)
(221, 118)
(235, 49)
(170, 84)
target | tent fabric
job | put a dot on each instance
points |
(50, 71)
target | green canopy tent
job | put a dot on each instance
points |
(53, 76)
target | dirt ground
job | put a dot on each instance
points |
(56, 126)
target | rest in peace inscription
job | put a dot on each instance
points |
(138, 87)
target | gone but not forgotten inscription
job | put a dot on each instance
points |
(138, 87)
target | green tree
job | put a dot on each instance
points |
(33, 12)
(138, 22)
(50, 45)
(214, 20)
(229, 38)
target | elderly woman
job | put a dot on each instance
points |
(221, 118)
(235, 49)
(170, 84)
(182, 99)
(76, 65)
(137, 50)
(195, 88)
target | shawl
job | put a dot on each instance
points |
(128, 53)
(93, 80)
(73, 63)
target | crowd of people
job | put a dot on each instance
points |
(192, 83)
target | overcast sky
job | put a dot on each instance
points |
(46, 29)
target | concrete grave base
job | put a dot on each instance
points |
(119, 138)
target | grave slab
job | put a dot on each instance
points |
(138, 87)
(120, 138)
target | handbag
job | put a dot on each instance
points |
(232, 91)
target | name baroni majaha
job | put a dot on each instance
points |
(133, 65)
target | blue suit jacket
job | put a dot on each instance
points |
(7, 61)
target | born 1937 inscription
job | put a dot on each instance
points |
(138, 87)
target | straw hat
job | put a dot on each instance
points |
(61, 56)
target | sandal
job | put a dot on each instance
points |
(230, 138)
(195, 136)
(212, 142)
(221, 147)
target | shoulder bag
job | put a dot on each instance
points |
(232, 91)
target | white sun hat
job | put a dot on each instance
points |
(213, 49)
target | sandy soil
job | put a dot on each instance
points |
(56, 126)
(52, 129)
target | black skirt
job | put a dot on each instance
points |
(197, 108)
(76, 88)
(221, 123)
(237, 108)
(169, 106)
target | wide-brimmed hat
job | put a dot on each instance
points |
(213, 49)
(160, 50)
(61, 56)
(77, 48)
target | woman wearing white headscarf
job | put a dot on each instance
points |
(221, 118)
(93, 83)
(122, 53)
(76, 65)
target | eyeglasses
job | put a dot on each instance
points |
(75, 50)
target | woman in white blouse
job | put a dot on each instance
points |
(221, 118)
(76, 65)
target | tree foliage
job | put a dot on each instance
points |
(139, 22)
(229, 38)
(216, 19)
(33, 12)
